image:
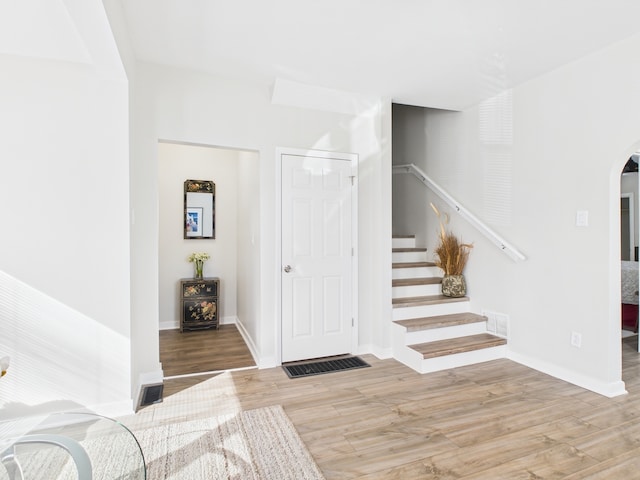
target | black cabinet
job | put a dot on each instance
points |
(199, 303)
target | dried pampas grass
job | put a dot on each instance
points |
(451, 253)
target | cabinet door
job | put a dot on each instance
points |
(200, 311)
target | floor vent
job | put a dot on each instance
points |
(324, 366)
(151, 394)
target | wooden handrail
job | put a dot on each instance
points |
(496, 239)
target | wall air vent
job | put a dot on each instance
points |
(150, 394)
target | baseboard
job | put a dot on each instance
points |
(147, 378)
(249, 341)
(612, 389)
(232, 320)
(114, 409)
(176, 325)
(169, 325)
(381, 353)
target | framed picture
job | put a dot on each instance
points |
(200, 198)
(193, 222)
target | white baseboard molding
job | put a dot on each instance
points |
(147, 378)
(381, 353)
(231, 320)
(250, 344)
(169, 325)
(612, 389)
(114, 409)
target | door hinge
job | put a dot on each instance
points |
(353, 322)
(352, 251)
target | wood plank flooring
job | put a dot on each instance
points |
(203, 351)
(496, 420)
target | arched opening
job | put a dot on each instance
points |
(628, 253)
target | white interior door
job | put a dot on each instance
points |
(316, 257)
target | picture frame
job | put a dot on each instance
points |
(193, 222)
(199, 194)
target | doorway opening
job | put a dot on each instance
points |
(629, 239)
(234, 257)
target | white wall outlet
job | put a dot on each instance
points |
(582, 218)
(576, 339)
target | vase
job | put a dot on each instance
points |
(454, 286)
(199, 266)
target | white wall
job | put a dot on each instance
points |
(248, 261)
(177, 163)
(531, 158)
(177, 105)
(64, 251)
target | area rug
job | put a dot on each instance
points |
(259, 444)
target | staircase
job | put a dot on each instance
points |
(431, 332)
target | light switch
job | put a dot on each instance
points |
(582, 218)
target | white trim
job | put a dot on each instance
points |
(211, 372)
(249, 342)
(175, 325)
(464, 213)
(114, 409)
(353, 158)
(612, 389)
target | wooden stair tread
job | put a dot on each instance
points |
(412, 264)
(440, 321)
(458, 345)
(406, 282)
(408, 249)
(403, 236)
(425, 300)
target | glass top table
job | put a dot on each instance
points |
(69, 446)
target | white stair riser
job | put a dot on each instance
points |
(401, 352)
(429, 365)
(416, 272)
(444, 333)
(404, 313)
(398, 257)
(403, 242)
(416, 290)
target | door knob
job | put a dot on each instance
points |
(287, 268)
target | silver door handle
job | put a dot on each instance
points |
(287, 268)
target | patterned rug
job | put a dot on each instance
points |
(259, 444)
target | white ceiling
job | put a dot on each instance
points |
(438, 53)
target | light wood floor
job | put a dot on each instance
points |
(497, 420)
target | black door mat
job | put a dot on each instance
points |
(325, 366)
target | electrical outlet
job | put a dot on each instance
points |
(576, 339)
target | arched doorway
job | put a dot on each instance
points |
(629, 246)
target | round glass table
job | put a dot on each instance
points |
(69, 446)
